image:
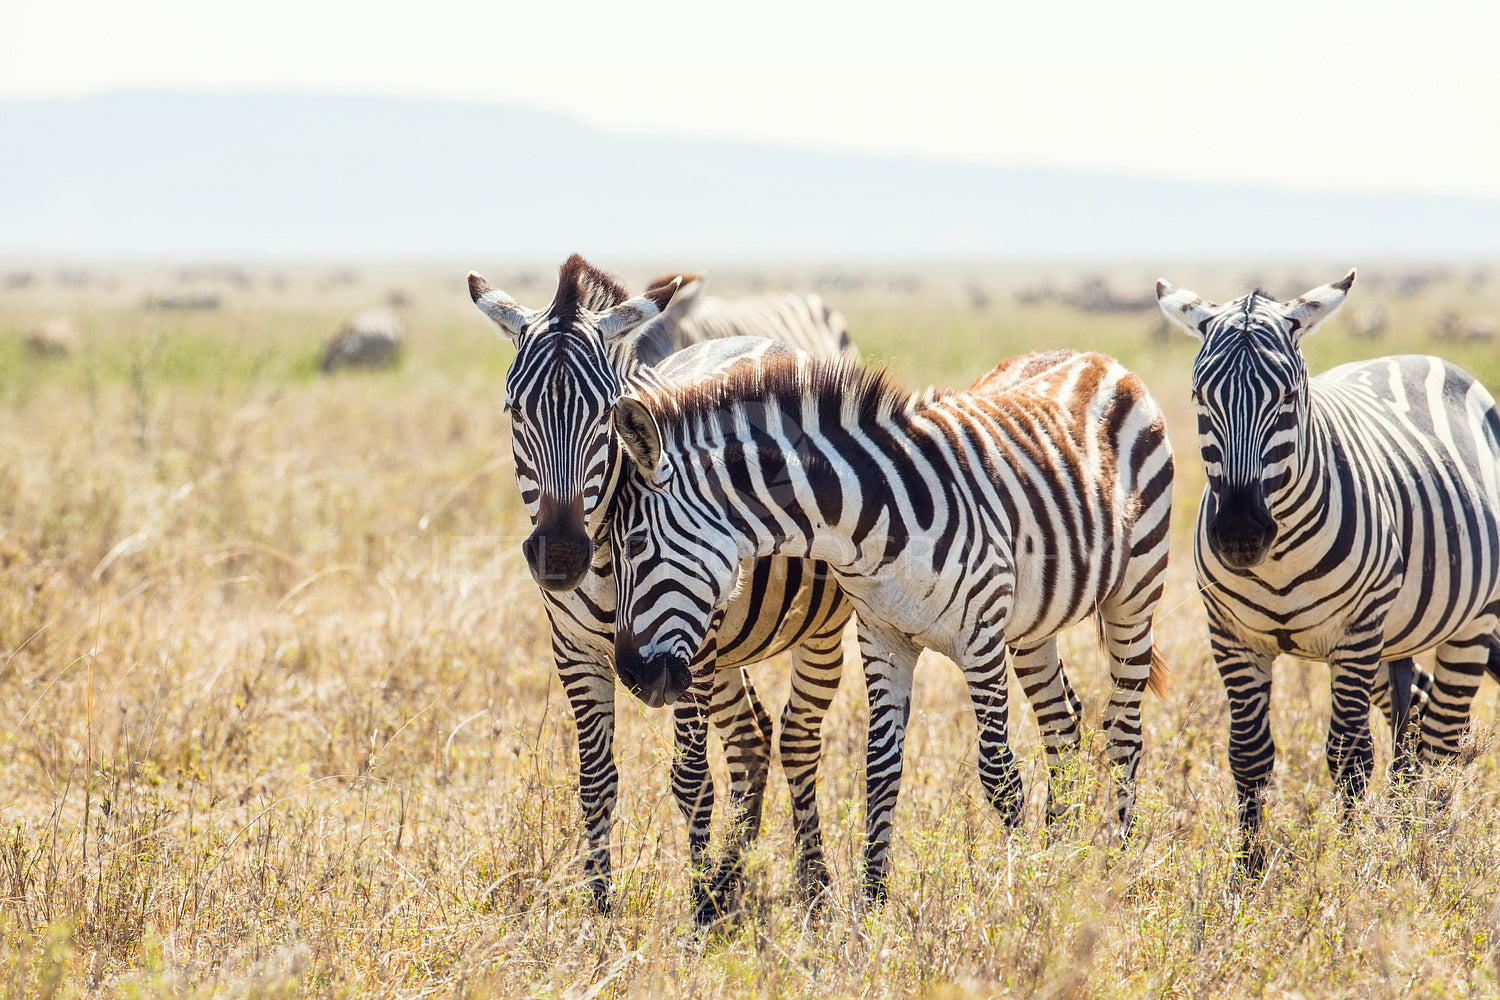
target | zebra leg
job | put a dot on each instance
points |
(1350, 752)
(889, 666)
(999, 774)
(693, 783)
(1125, 626)
(581, 648)
(590, 687)
(1462, 662)
(1059, 714)
(1129, 643)
(817, 666)
(1421, 689)
(745, 727)
(1246, 675)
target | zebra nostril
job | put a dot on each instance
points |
(559, 561)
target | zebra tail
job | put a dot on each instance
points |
(1160, 677)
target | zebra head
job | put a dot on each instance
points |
(1250, 388)
(559, 391)
(676, 563)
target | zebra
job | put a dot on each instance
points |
(1352, 517)
(970, 523)
(803, 321)
(573, 360)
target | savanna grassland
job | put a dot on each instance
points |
(278, 715)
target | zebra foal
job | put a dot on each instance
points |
(963, 522)
(1352, 517)
(573, 361)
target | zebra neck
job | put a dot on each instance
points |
(614, 471)
(848, 494)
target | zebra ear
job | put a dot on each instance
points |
(1309, 310)
(511, 318)
(686, 297)
(626, 316)
(1188, 310)
(641, 438)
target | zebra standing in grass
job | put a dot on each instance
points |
(963, 522)
(804, 321)
(1353, 517)
(573, 361)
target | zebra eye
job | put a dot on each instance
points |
(1290, 396)
(635, 546)
(1197, 397)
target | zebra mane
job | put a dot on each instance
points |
(1250, 304)
(786, 380)
(583, 287)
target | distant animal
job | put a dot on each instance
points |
(574, 359)
(372, 339)
(56, 337)
(804, 321)
(1450, 326)
(968, 523)
(1095, 295)
(173, 303)
(1352, 517)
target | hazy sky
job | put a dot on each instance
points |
(1370, 96)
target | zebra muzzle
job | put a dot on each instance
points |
(1241, 528)
(559, 550)
(659, 679)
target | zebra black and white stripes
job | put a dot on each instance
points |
(572, 362)
(967, 523)
(1353, 517)
(805, 322)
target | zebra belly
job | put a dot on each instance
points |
(914, 607)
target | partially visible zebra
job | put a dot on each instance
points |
(963, 522)
(1353, 517)
(573, 360)
(372, 339)
(804, 321)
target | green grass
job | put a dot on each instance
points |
(278, 714)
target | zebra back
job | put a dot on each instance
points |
(804, 321)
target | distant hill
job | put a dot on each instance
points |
(311, 176)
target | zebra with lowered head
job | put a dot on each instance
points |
(574, 359)
(964, 522)
(1352, 517)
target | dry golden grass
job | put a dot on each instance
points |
(278, 717)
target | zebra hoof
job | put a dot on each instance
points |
(1063, 814)
(812, 879)
(717, 898)
(601, 897)
(1403, 774)
(1251, 862)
